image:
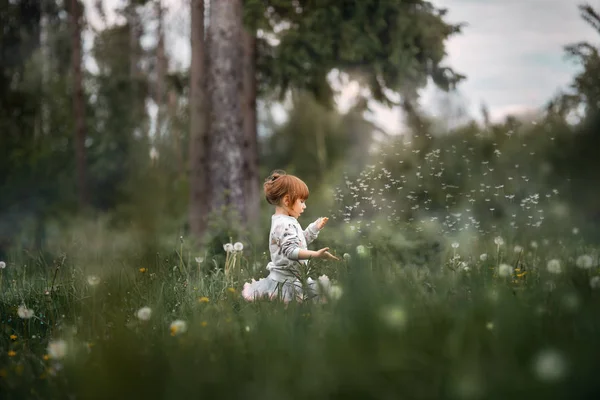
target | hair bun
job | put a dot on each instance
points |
(274, 175)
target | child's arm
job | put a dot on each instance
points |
(323, 253)
(312, 231)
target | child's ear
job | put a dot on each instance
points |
(286, 200)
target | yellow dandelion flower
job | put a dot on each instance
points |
(204, 323)
(231, 290)
(46, 357)
(13, 337)
(12, 353)
(203, 299)
(522, 274)
(142, 270)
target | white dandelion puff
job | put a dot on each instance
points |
(178, 327)
(550, 366)
(361, 250)
(534, 244)
(57, 349)
(2, 265)
(554, 267)
(499, 241)
(238, 246)
(518, 249)
(595, 282)
(483, 257)
(24, 312)
(144, 313)
(455, 245)
(228, 247)
(93, 280)
(584, 261)
(505, 270)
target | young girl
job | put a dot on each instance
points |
(288, 243)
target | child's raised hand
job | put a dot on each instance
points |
(321, 222)
(324, 253)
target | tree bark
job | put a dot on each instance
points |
(78, 105)
(226, 123)
(250, 143)
(199, 194)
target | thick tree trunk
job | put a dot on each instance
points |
(250, 143)
(199, 194)
(226, 123)
(78, 104)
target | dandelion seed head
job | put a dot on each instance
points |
(554, 266)
(595, 282)
(228, 247)
(93, 280)
(550, 366)
(483, 257)
(505, 270)
(57, 349)
(24, 312)
(499, 241)
(2, 265)
(144, 313)
(178, 327)
(238, 246)
(585, 261)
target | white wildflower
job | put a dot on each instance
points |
(178, 327)
(2, 265)
(554, 267)
(347, 257)
(575, 231)
(584, 261)
(455, 245)
(228, 247)
(534, 244)
(550, 366)
(595, 282)
(57, 349)
(499, 241)
(518, 249)
(361, 250)
(238, 246)
(144, 313)
(505, 270)
(483, 257)
(93, 280)
(199, 260)
(24, 312)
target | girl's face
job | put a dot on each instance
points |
(297, 208)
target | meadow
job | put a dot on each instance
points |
(482, 318)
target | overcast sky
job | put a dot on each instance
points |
(512, 52)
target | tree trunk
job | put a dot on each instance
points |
(78, 104)
(250, 143)
(161, 70)
(199, 194)
(226, 123)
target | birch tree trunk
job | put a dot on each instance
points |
(226, 122)
(199, 194)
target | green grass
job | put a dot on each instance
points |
(399, 330)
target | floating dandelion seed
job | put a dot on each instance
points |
(554, 267)
(178, 327)
(228, 247)
(57, 349)
(584, 261)
(550, 366)
(144, 313)
(93, 280)
(24, 312)
(238, 246)
(505, 270)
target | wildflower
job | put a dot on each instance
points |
(335, 292)
(238, 246)
(575, 231)
(489, 326)
(346, 257)
(534, 244)
(93, 280)
(455, 245)
(178, 327)
(361, 250)
(247, 329)
(499, 241)
(231, 290)
(24, 312)
(518, 249)
(483, 257)
(553, 266)
(549, 366)
(12, 353)
(199, 260)
(595, 282)
(2, 265)
(505, 270)
(584, 261)
(228, 247)
(57, 349)
(144, 313)
(203, 299)
(13, 337)
(46, 357)
(394, 316)
(203, 323)
(142, 270)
